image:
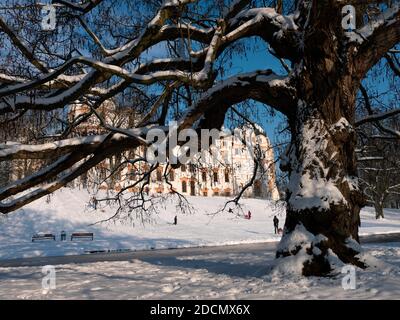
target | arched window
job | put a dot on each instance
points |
(226, 175)
(192, 188)
(215, 175)
(184, 186)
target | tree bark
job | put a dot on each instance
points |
(323, 197)
(378, 210)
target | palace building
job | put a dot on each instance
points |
(224, 170)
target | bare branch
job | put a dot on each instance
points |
(22, 47)
(377, 39)
(377, 117)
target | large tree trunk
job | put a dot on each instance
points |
(323, 197)
(323, 200)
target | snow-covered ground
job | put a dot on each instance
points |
(68, 210)
(226, 274)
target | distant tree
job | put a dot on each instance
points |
(379, 167)
(378, 143)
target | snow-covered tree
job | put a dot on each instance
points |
(379, 171)
(378, 140)
(100, 50)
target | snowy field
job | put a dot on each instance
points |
(69, 210)
(227, 274)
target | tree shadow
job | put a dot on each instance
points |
(251, 268)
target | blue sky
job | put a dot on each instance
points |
(256, 59)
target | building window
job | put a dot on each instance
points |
(159, 175)
(237, 151)
(205, 193)
(215, 175)
(183, 168)
(257, 188)
(204, 176)
(226, 175)
(103, 173)
(192, 188)
(172, 175)
(184, 187)
(192, 168)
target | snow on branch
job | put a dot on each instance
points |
(40, 151)
(62, 170)
(274, 90)
(387, 18)
(280, 31)
(14, 204)
(150, 36)
(376, 38)
(63, 163)
(264, 22)
(52, 149)
(377, 117)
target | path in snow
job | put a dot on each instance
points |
(224, 273)
(165, 253)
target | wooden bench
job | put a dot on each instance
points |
(45, 236)
(82, 235)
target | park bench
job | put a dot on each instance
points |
(43, 236)
(82, 235)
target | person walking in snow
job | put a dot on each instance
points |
(175, 220)
(276, 224)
